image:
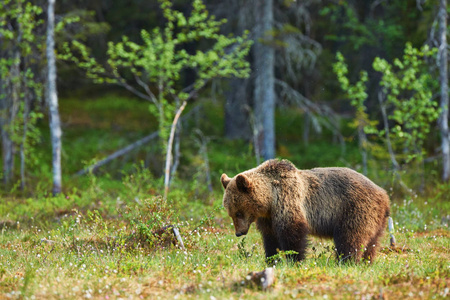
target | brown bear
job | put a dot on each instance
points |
(287, 204)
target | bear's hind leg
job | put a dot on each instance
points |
(373, 245)
(348, 247)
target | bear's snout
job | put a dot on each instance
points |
(238, 234)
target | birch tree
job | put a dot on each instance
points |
(157, 63)
(52, 100)
(443, 72)
(264, 64)
(20, 86)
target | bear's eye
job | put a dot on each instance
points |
(239, 214)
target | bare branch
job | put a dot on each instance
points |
(117, 154)
(123, 83)
(127, 149)
(147, 89)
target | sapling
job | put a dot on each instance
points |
(156, 64)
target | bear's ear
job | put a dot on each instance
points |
(225, 180)
(243, 183)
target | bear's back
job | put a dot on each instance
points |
(275, 168)
(339, 194)
(344, 180)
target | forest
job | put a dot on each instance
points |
(118, 118)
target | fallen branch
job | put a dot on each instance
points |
(263, 279)
(117, 154)
(176, 232)
(127, 149)
(391, 231)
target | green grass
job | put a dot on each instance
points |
(111, 247)
(101, 238)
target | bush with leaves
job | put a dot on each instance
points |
(152, 69)
(21, 44)
(406, 91)
(357, 95)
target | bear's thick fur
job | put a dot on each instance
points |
(287, 204)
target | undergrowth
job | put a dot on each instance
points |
(111, 234)
(98, 243)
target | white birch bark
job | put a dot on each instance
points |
(169, 148)
(443, 70)
(55, 126)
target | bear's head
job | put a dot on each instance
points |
(242, 201)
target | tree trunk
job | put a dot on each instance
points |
(264, 96)
(55, 126)
(3, 132)
(8, 156)
(237, 125)
(176, 152)
(394, 162)
(169, 148)
(241, 16)
(10, 107)
(443, 70)
(24, 140)
(362, 138)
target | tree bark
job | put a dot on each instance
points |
(237, 125)
(394, 162)
(169, 148)
(176, 152)
(24, 140)
(10, 107)
(7, 148)
(241, 16)
(362, 138)
(55, 126)
(443, 70)
(3, 132)
(264, 96)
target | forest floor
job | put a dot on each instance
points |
(105, 236)
(79, 255)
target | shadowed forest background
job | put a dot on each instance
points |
(154, 100)
(294, 101)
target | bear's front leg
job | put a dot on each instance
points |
(293, 237)
(271, 243)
